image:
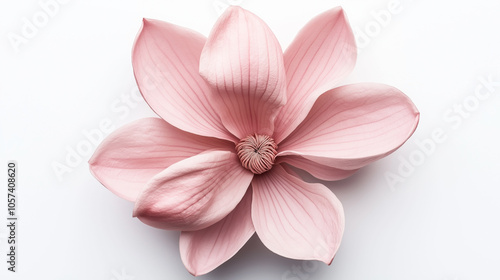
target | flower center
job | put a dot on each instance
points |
(257, 153)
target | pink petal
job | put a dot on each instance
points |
(354, 125)
(243, 61)
(204, 250)
(194, 193)
(296, 219)
(318, 170)
(128, 158)
(322, 54)
(166, 60)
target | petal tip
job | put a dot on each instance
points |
(231, 11)
(330, 261)
(417, 120)
(146, 21)
(138, 211)
(150, 23)
(194, 272)
(338, 9)
(327, 257)
(144, 209)
(192, 269)
(237, 9)
(329, 254)
(134, 212)
(91, 161)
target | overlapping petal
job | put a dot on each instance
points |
(194, 193)
(318, 170)
(165, 60)
(323, 53)
(296, 219)
(128, 158)
(354, 125)
(204, 250)
(243, 62)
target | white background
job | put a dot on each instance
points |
(439, 221)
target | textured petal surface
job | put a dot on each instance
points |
(128, 158)
(318, 170)
(166, 60)
(194, 193)
(296, 219)
(204, 250)
(243, 61)
(354, 125)
(323, 53)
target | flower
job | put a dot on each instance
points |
(235, 112)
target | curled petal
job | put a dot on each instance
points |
(204, 250)
(243, 62)
(296, 219)
(323, 53)
(165, 60)
(354, 125)
(194, 193)
(320, 171)
(128, 158)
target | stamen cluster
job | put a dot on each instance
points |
(257, 153)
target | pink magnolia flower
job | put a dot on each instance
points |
(235, 112)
